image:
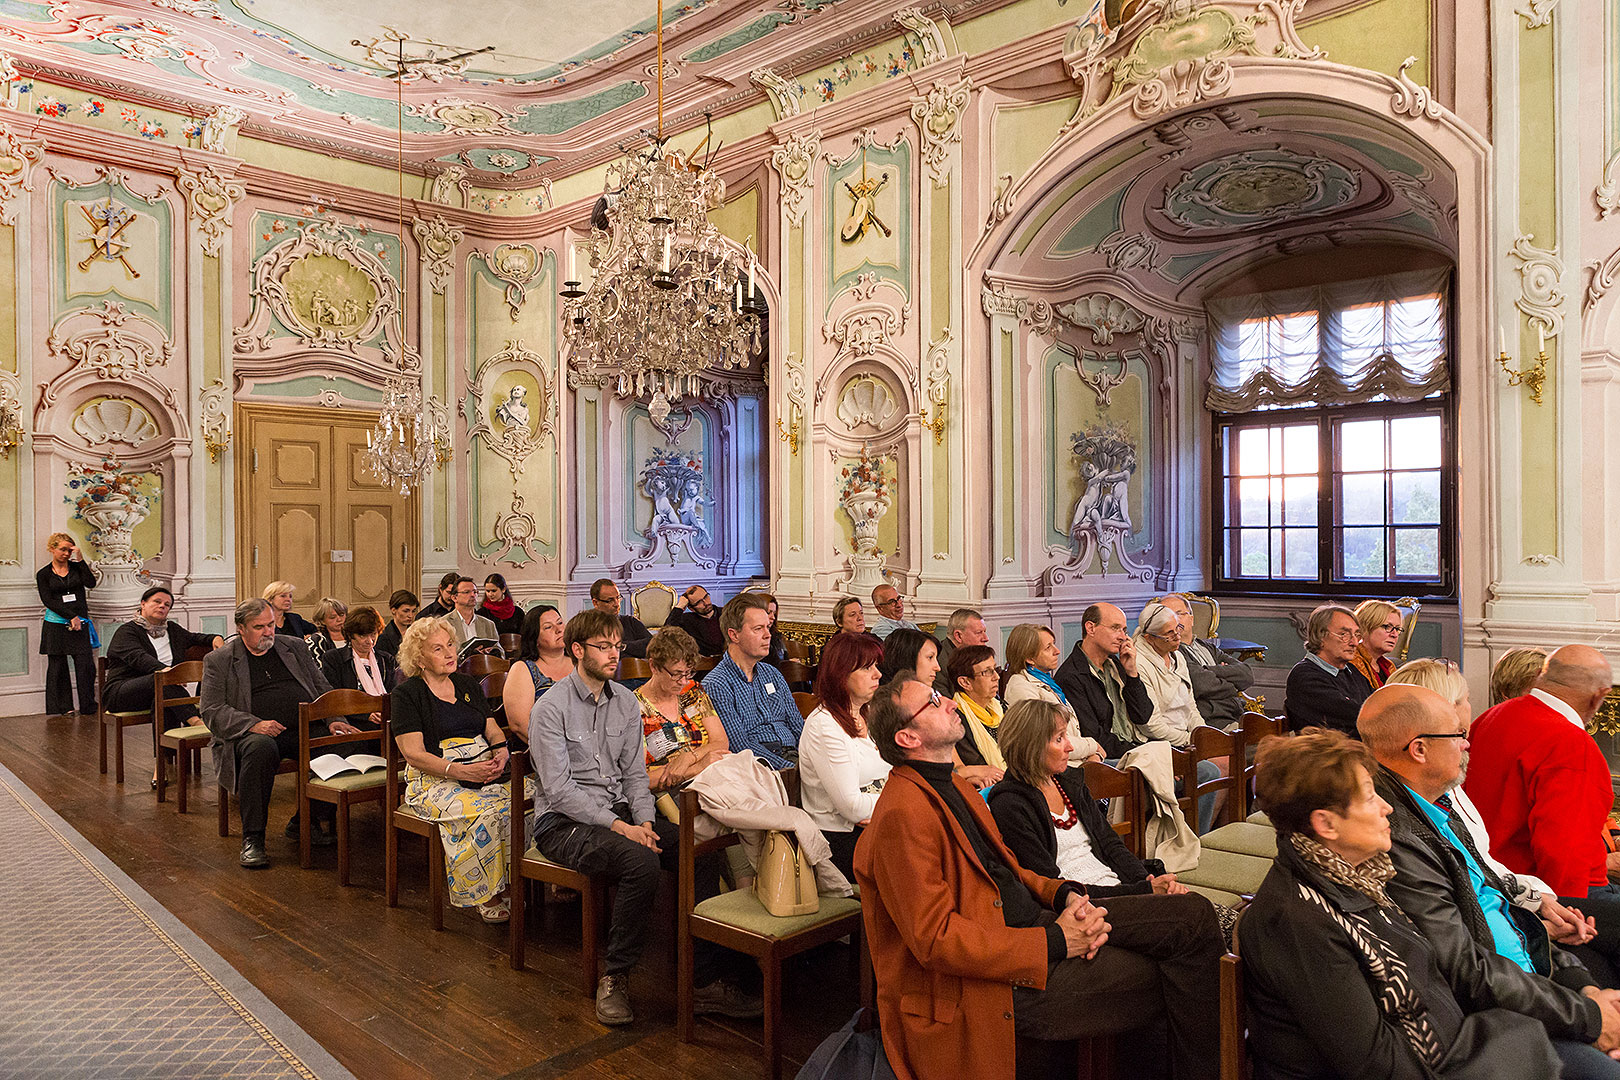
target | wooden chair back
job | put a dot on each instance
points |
(1107, 782)
(797, 673)
(634, 667)
(181, 674)
(806, 702)
(480, 664)
(1255, 726)
(798, 650)
(704, 665)
(493, 685)
(1206, 613)
(511, 645)
(652, 603)
(1211, 744)
(335, 705)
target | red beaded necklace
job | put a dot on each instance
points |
(1071, 816)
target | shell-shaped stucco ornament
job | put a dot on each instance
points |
(114, 420)
(865, 400)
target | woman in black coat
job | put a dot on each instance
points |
(360, 665)
(1339, 982)
(1041, 795)
(145, 646)
(63, 585)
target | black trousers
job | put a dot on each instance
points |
(1602, 955)
(127, 695)
(1161, 963)
(59, 688)
(592, 849)
(258, 757)
(843, 850)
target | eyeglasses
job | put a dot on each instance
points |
(678, 674)
(934, 698)
(1345, 634)
(611, 646)
(1436, 735)
(1391, 628)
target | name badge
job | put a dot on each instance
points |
(770, 688)
(68, 598)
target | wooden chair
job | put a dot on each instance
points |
(652, 603)
(1256, 726)
(798, 650)
(481, 664)
(1234, 1021)
(1107, 782)
(118, 721)
(511, 644)
(797, 674)
(186, 743)
(634, 667)
(704, 665)
(1409, 607)
(287, 765)
(1206, 613)
(529, 865)
(398, 817)
(806, 702)
(736, 920)
(1209, 743)
(344, 790)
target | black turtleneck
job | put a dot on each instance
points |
(1019, 907)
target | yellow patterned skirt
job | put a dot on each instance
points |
(473, 824)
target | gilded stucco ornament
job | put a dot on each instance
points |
(795, 164)
(867, 324)
(518, 266)
(11, 413)
(468, 119)
(936, 388)
(210, 198)
(18, 157)
(214, 418)
(436, 238)
(1541, 279)
(939, 118)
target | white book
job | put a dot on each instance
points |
(329, 765)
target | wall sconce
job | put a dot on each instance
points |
(937, 424)
(789, 432)
(1533, 377)
(11, 429)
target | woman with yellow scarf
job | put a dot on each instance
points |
(973, 673)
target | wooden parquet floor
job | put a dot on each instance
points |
(377, 987)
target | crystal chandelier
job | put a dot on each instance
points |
(670, 297)
(412, 436)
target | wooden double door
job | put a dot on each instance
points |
(310, 512)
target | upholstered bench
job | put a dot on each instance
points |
(1242, 838)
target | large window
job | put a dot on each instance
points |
(1333, 443)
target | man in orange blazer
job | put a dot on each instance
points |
(971, 950)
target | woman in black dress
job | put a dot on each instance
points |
(499, 607)
(63, 587)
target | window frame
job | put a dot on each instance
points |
(1327, 419)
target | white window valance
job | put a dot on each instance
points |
(1338, 344)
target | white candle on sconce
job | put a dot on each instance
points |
(667, 247)
(573, 263)
(1501, 340)
(1541, 338)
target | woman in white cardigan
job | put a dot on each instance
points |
(841, 772)
(1032, 657)
(1165, 674)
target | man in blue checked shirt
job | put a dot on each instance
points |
(753, 699)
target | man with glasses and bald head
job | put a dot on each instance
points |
(1324, 688)
(593, 811)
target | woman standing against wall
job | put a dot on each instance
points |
(64, 583)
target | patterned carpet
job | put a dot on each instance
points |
(98, 980)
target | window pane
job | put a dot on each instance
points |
(1415, 442)
(1417, 553)
(1361, 445)
(1254, 502)
(1299, 449)
(1253, 454)
(1299, 553)
(1415, 498)
(1361, 499)
(1256, 562)
(1277, 568)
(1299, 500)
(1362, 552)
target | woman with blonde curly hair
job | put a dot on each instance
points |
(456, 766)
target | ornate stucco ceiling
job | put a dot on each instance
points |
(560, 78)
(1188, 202)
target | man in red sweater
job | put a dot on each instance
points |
(1540, 781)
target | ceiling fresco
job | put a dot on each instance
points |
(1187, 202)
(549, 77)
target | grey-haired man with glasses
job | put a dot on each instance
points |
(1324, 688)
(593, 811)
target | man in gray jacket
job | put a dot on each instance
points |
(1217, 677)
(1457, 900)
(251, 689)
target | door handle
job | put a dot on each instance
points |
(255, 556)
(404, 556)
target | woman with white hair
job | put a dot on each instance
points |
(1163, 668)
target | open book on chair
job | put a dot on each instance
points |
(329, 765)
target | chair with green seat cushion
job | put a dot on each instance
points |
(117, 720)
(1227, 872)
(529, 866)
(345, 789)
(738, 921)
(1242, 838)
(185, 743)
(398, 818)
(1216, 896)
(1259, 818)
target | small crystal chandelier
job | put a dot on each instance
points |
(667, 299)
(412, 436)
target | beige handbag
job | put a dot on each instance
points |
(785, 884)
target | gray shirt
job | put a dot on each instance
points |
(587, 755)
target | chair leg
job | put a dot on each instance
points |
(224, 811)
(101, 728)
(390, 860)
(591, 904)
(771, 967)
(343, 841)
(436, 872)
(160, 763)
(305, 828)
(118, 748)
(518, 890)
(182, 768)
(683, 984)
